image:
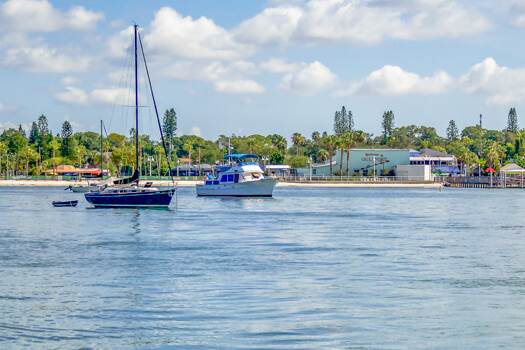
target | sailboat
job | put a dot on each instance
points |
(127, 192)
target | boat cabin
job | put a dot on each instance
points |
(239, 168)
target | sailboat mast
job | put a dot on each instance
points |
(101, 152)
(136, 102)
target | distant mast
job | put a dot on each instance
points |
(101, 151)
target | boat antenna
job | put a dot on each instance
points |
(156, 110)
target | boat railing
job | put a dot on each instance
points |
(355, 179)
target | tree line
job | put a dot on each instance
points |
(38, 149)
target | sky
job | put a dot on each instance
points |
(263, 66)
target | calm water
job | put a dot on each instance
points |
(308, 269)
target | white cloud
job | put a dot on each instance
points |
(38, 57)
(8, 125)
(279, 66)
(362, 21)
(308, 79)
(196, 131)
(119, 44)
(393, 81)
(225, 77)
(501, 85)
(516, 12)
(212, 71)
(19, 49)
(68, 80)
(239, 87)
(109, 96)
(41, 16)
(72, 95)
(81, 19)
(172, 35)
(272, 25)
(7, 109)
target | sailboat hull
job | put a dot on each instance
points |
(155, 199)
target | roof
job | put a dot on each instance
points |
(240, 156)
(277, 166)
(433, 153)
(380, 149)
(446, 169)
(512, 168)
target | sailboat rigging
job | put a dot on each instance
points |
(126, 192)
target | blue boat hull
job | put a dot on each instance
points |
(156, 199)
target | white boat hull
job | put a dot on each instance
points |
(259, 188)
(80, 189)
(84, 188)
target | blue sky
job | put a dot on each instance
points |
(278, 66)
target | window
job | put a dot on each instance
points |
(230, 178)
(224, 178)
(236, 178)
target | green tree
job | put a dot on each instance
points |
(169, 127)
(3, 156)
(343, 121)
(350, 121)
(338, 123)
(298, 141)
(34, 134)
(297, 161)
(512, 121)
(495, 153)
(68, 145)
(387, 125)
(43, 127)
(27, 155)
(452, 131)
(330, 142)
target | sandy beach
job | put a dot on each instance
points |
(190, 183)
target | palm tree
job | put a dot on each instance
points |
(322, 155)
(298, 140)
(495, 153)
(330, 142)
(347, 140)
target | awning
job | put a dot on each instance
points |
(512, 168)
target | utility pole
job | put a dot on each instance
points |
(481, 121)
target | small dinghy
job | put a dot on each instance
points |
(65, 203)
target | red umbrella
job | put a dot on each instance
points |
(490, 170)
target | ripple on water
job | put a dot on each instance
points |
(310, 269)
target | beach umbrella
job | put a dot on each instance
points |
(491, 171)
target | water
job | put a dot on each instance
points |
(309, 269)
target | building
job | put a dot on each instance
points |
(278, 170)
(441, 162)
(362, 162)
(72, 171)
(414, 172)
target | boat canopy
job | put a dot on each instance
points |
(240, 156)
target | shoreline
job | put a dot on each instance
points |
(190, 183)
